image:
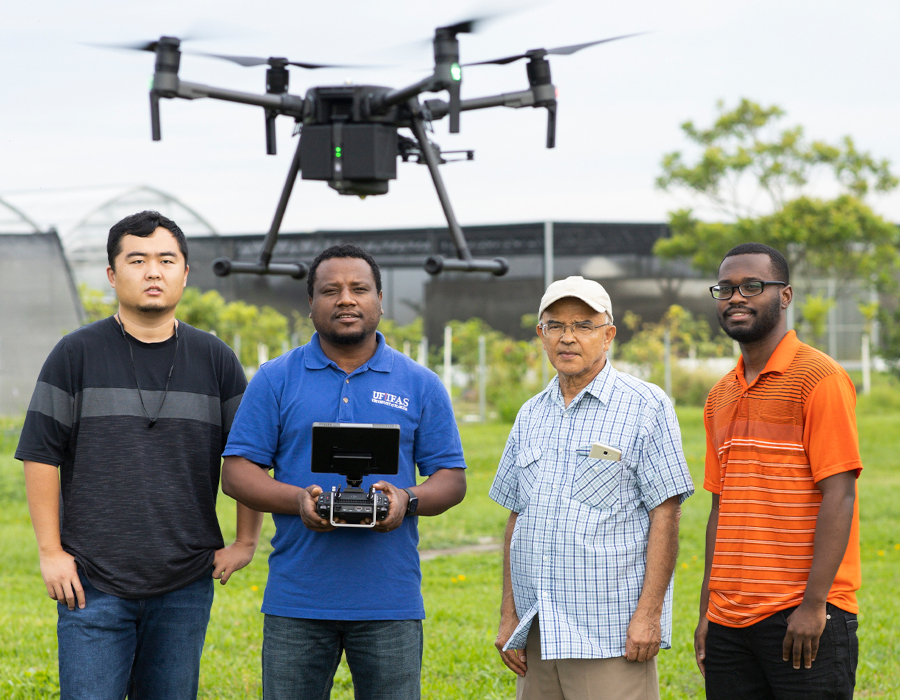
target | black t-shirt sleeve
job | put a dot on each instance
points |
(232, 383)
(50, 419)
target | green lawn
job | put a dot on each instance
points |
(462, 592)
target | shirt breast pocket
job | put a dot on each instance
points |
(598, 483)
(528, 469)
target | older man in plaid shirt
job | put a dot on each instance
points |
(590, 544)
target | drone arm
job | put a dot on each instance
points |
(516, 100)
(541, 96)
(459, 240)
(272, 236)
(465, 261)
(380, 103)
(223, 267)
(280, 104)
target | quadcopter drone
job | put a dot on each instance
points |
(349, 133)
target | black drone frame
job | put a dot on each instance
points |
(371, 115)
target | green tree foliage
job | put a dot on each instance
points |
(513, 366)
(201, 310)
(841, 238)
(255, 326)
(743, 161)
(97, 305)
(208, 311)
(815, 310)
(237, 319)
(397, 336)
(689, 337)
(889, 320)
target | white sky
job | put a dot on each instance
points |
(75, 116)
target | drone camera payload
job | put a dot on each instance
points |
(356, 154)
(349, 134)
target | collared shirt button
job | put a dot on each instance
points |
(546, 558)
(348, 380)
(346, 400)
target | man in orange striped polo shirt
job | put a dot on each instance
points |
(778, 604)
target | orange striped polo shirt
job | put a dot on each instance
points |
(767, 446)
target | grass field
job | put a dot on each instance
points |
(462, 591)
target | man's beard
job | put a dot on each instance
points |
(355, 338)
(158, 309)
(347, 339)
(763, 323)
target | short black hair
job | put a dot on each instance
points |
(344, 250)
(142, 224)
(779, 264)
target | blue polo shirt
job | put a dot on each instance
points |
(348, 573)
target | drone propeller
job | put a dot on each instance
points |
(558, 51)
(138, 45)
(197, 34)
(249, 61)
(467, 26)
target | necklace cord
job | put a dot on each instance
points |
(137, 381)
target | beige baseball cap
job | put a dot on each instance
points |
(591, 293)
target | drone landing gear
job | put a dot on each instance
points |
(433, 265)
(464, 262)
(224, 267)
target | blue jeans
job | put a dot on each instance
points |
(148, 648)
(746, 664)
(300, 657)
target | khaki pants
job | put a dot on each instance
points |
(584, 679)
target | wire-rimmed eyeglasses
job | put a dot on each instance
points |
(553, 329)
(722, 292)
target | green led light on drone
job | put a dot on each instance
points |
(455, 71)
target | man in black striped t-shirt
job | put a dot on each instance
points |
(125, 432)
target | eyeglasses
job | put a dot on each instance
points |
(747, 289)
(582, 328)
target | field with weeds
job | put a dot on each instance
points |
(462, 591)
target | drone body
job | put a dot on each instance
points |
(349, 133)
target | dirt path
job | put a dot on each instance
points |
(428, 554)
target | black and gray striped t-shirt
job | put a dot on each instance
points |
(138, 504)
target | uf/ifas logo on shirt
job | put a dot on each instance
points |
(390, 400)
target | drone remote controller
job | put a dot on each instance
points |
(352, 505)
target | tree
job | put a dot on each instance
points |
(96, 304)
(208, 311)
(397, 336)
(201, 310)
(689, 337)
(758, 179)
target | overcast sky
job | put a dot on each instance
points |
(74, 119)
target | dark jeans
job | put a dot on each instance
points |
(148, 647)
(300, 657)
(746, 664)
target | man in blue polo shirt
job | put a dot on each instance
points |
(343, 589)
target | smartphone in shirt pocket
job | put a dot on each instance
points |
(598, 476)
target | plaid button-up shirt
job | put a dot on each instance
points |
(579, 548)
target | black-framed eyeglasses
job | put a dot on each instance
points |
(747, 289)
(552, 329)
